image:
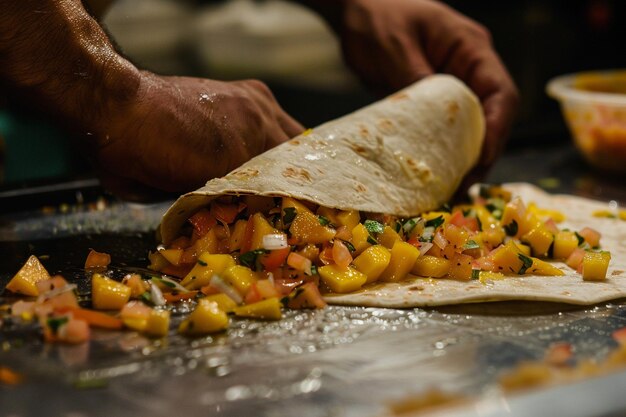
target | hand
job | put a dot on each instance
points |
(393, 43)
(179, 132)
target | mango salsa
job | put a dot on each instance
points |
(595, 265)
(206, 266)
(372, 262)
(342, 280)
(206, 318)
(26, 279)
(107, 294)
(403, 257)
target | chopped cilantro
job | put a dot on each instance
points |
(436, 222)
(373, 226)
(146, 298)
(467, 212)
(289, 215)
(202, 263)
(526, 263)
(511, 228)
(484, 191)
(349, 245)
(250, 259)
(471, 244)
(54, 323)
(323, 220)
(371, 240)
(446, 207)
(313, 269)
(475, 273)
(159, 280)
(581, 239)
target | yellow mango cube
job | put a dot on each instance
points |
(341, 280)
(207, 243)
(306, 228)
(515, 210)
(372, 262)
(457, 236)
(493, 235)
(564, 244)
(523, 248)
(237, 235)
(289, 202)
(329, 213)
(26, 279)
(507, 258)
(108, 294)
(157, 261)
(540, 239)
(360, 236)
(403, 257)
(240, 277)
(224, 302)
(461, 267)
(540, 267)
(158, 323)
(388, 237)
(260, 228)
(172, 255)
(348, 218)
(431, 266)
(206, 318)
(206, 266)
(269, 309)
(595, 265)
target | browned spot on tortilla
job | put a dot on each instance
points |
(399, 96)
(299, 173)
(363, 131)
(416, 288)
(617, 272)
(246, 173)
(294, 142)
(360, 188)
(359, 149)
(386, 126)
(453, 109)
(567, 293)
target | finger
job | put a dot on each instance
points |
(290, 126)
(276, 139)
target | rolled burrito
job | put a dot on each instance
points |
(403, 155)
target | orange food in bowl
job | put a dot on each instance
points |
(594, 107)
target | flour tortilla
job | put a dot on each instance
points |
(403, 155)
(570, 288)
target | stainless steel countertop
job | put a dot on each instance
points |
(334, 362)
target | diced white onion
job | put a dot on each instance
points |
(425, 247)
(440, 241)
(428, 232)
(222, 286)
(270, 278)
(156, 295)
(275, 241)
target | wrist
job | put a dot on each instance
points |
(64, 63)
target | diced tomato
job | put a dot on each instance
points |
(137, 285)
(226, 213)
(181, 242)
(591, 236)
(575, 260)
(559, 353)
(306, 296)
(209, 290)
(53, 283)
(415, 242)
(73, 331)
(9, 377)
(619, 336)
(459, 220)
(94, 318)
(326, 255)
(202, 221)
(551, 225)
(341, 254)
(285, 285)
(64, 299)
(299, 262)
(253, 295)
(266, 289)
(189, 256)
(344, 233)
(135, 310)
(275, 258)
(97, 259)
(171, 297)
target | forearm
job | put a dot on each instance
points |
(54, 54)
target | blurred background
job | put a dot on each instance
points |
(293, 51)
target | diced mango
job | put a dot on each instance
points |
(456, 236)
(348, 218)
(206, 318)
(172, 255)
(306, 296)
(329, 213)
(461, 267)
(107, 294)
(306, 228)
(26, 279)
(341, 280)
(240, 277)
(388, 237)
(372, 262)
(260, 228)
(237, 235)
(523, 248)
(157, 261)
(224, 302)
(493, 235)
(360, 236)
(269, 309)
(540, 267)
(486, 276)
(158, 323)
(288, 202)
(540, 239)
(564, 244)
(595, 265)
(515, 210)
(431, 266)
(207, 243)
(507, 258)
(485, 217)
(403, 257)
(206, 266)
(431, 215)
